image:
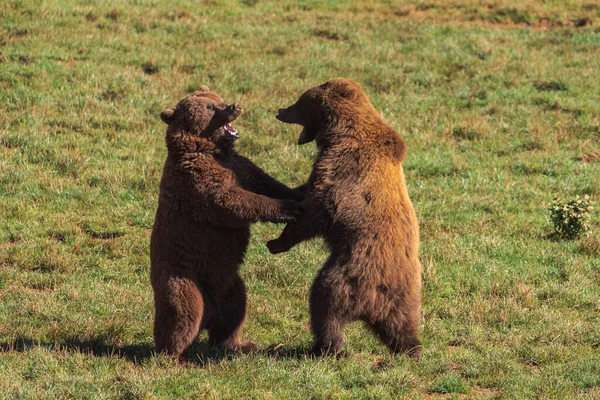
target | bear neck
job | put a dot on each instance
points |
(364, 125)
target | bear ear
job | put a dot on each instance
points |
(204, 88)
(347, 92)
(342, 87)
(345, 88)
(168, 115)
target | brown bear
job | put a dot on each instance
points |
(209, 196)
(356, 198)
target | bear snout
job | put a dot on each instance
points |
(231, 112)
(235, 107)
(284, 115)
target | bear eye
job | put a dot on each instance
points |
(210, 107)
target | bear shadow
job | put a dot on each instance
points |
(297, 352)
(95, 346)
(200, 352)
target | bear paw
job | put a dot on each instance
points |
(290, 209)
(245, 346)
(276, 246)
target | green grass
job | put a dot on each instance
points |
(498, 102)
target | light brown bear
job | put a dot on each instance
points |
(209, 196)
(356, 198)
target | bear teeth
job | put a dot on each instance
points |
(231, 130)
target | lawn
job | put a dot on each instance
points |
(498, 101)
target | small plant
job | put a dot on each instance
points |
(550, 86)
(150, 68)
(571, 219)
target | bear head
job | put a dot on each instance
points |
(322, 107)
(204, 114)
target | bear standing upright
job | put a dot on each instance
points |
(209, 196)
(356, 198)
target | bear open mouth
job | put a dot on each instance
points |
(231, 131)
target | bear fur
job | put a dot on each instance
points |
(209, 196)
(356, 198)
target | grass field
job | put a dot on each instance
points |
(499, 102)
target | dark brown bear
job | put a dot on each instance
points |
(356, 198)
(209, 196)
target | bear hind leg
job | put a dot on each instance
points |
(327, 323)
(179, 311)
(225, 329)
(400, 334)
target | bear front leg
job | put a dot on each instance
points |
(258, 181)
(236, 206)
(179, 310)
(303, 189)
(288, 239)
(311, 223)
(225, 329)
